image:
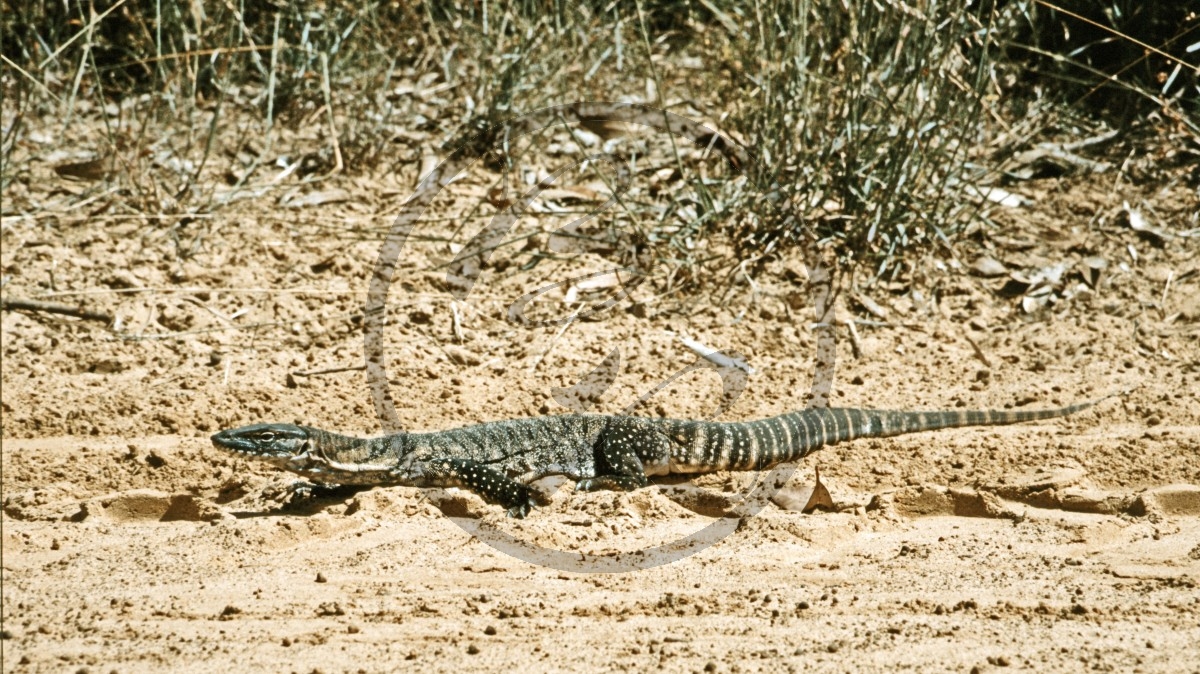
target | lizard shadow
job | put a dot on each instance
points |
(309, 500)
(306, 501)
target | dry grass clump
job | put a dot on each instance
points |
(878, 127)
(865, 116)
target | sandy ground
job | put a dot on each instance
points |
(131, 544)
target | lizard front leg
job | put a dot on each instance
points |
(303, 490)
(483, 480)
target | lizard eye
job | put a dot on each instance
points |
(267, 436)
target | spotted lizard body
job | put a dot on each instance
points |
(497, 460)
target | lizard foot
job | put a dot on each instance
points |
(522, 503)
(302, 491)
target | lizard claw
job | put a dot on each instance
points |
(298, 491)
(524, 500)
(519, 511)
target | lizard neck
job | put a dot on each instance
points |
(335, 446)
(334, 458)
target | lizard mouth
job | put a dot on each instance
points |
(231, 441)
(228, 440)
(273, 442)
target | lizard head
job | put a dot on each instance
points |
(277, 443)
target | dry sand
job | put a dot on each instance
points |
(131, 544)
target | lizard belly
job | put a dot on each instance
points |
(658, 466)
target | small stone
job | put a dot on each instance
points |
(490, 631)
(988, 266)
(321, 578)
(472, 650)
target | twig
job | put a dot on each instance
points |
(333, 131)
(855, 342)
(456, 322)
(203, 289)
(214, 312)
(53, 308)
(331, 370)
(1162, 302)
(978, 351)
(31, 78)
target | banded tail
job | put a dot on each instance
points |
(757, 445)
(887, 423)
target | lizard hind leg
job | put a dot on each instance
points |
(620, 451)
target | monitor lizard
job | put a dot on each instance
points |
(497, 460)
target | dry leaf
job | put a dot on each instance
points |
(96, 169)
(1005, 198)
(805, 499)
(605, 128)
(988, 266)
(820, 495)
(568, 194)
(1094, 267)
(1032, 304)
(871, 306)
(316, 198)
(718, 358)
(1139, 224)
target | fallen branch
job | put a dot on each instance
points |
(53, 308)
